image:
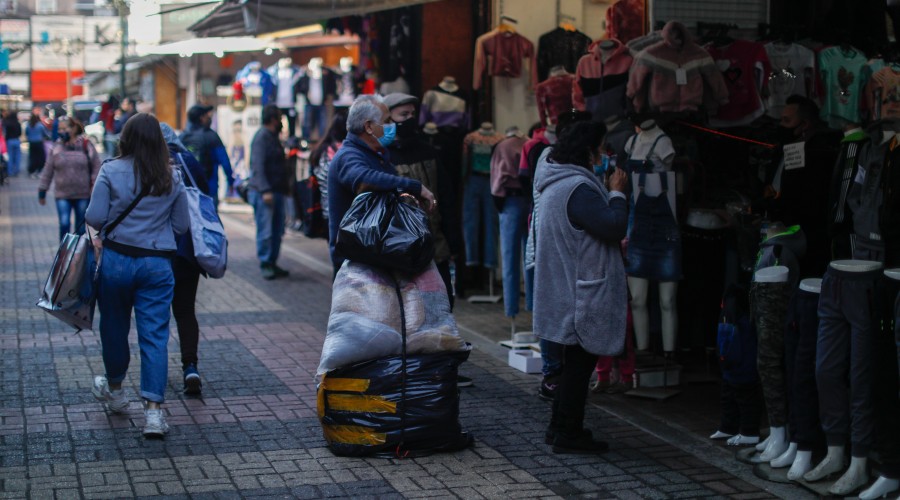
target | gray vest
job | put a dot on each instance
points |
(580, 290)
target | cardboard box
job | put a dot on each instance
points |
(526, 360)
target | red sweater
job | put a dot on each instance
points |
(554, 97)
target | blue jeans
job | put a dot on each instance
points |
(513, 231)
(552, 356)
(479, 212)
(145, 284)
(314, 116)
(269, 226)
(14, 151)
(64, 209)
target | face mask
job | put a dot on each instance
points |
(65, 136)
(390, 132)
(787, 135)
(407, 128)
(601, 169)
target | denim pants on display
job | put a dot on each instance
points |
(513, 232)
(314, 116)
(269, 226)
(845, 349)
(801, 332)
(146, 285)
(887, 398)
(14, 152)
(479, 222)
(64, 208)
(768, 305)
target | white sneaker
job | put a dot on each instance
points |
(155, 425)
(115, 400)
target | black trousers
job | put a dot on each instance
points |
(801, 333)
(741, 408)
(290, 115)
(887, 399)
(187, 278)
(571, 394)
(36, 157)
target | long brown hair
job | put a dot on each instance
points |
(143, 141)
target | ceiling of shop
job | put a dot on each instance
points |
(253, 17)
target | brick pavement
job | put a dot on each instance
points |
(254, 433)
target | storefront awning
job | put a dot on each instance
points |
(253, 17)
(222, 45)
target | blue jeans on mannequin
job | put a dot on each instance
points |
(146, 285)
(314, 116)
(269, 226)
(513, 231)
(479, 212)
(64, 208)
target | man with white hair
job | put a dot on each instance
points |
(363, 164)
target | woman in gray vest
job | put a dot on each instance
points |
(580, 291)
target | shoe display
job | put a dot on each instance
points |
(464, 381)
(547, 391)
(155, 425)
(114, 400)
(192, 383)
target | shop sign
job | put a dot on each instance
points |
(98, 34)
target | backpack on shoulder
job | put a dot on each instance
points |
(207, 232)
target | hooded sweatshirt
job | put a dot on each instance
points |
(784, 249)
(671, 78)
(600, 82)
(580, 290)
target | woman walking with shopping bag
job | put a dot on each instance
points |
(72, 167)
(136, 263)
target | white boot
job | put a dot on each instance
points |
(831, 464)
(778, 444)
(762, 445)
(802, 465)
(786, 458)
(740, 440)
(855, 478)
(880, 488)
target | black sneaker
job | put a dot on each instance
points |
(268, 272)
(548, 388)
(279, 272)
(464, 381)
(192, 384)
(580, 445)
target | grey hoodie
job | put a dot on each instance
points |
(580, 291)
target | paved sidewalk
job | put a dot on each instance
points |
(254, 433)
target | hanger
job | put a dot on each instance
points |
(506, 24)
(568, 26)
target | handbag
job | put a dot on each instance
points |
(70, 291)
(382, 230)
(207, 233)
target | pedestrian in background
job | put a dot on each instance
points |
(321, 156)
(35, 134)
(581, 294)
(268, 186)
(72, 167)
(136, 265)
(207, 147)
(12, 132)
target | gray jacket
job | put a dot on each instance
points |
(580, 290)
(153, 222)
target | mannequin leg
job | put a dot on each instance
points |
(831, 464)
(639, 288)
(880, 488)
(802, 464)
(769, 308)
(668, 292)
(786, 458)
(856, 477)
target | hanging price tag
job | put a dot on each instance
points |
(681, 76)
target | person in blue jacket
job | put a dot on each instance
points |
(207, 147)
(363, 164)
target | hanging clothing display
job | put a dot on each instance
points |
(504, 54)
(513, 211)
(792, 70)
(675, 75)
(560, 47)
(887, 385)
(768, 305)
(800, 336)
(252, 76)
(840, 219)
(867, 102)
(744, 66)
(479, 212)
(625, 20)
(654, 241)
(554, 97)
(839, 69)
(601, 79)
(444, 108)
(872, 200)
(649, 151)
(882, 94)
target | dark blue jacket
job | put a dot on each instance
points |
(354, 166)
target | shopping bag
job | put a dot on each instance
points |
(70, 292)
(386, 229)
(207, 232)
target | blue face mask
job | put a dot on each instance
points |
(390, 132)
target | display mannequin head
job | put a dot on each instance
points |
(799, 116)
(254, 67)
(370, 120)
(346, 64)
(315, 63)
(449, 84)
(487, 128)
(285, 62)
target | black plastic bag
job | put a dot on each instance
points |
(378, 408)
(383, 230)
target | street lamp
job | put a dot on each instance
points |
(68, 47)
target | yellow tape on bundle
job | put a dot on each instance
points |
(361, 403)
(345, 384)
(353, 434)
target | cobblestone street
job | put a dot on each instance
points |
(254, 433)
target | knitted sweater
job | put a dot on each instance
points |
(671, 78)
(72, 170)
